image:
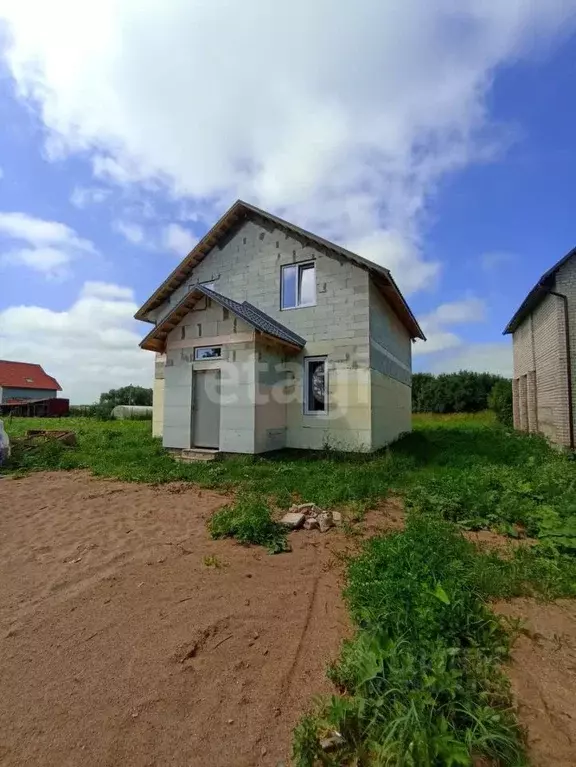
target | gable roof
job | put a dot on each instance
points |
(156, 339)
(537, 294)
(242, 211)
(26, 375)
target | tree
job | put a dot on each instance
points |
(126, 395)
(500, 401)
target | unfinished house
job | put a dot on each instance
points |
(544, 342)
(268, 336)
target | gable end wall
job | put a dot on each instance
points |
(248, 268)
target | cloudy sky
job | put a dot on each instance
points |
(434, 138)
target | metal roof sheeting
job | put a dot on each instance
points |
(245, 311)
(25, 375)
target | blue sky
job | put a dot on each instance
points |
(437, 141)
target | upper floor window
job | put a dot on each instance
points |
(298, 286)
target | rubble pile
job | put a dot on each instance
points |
(308, 516)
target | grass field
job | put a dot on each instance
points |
(420, 682)
(463, 466)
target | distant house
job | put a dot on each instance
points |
(268, 336)
(544, 342)
(21, 381)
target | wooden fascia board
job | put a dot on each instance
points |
(398, 306)
(275, 341)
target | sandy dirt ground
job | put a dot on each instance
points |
(129, 637)
(121, 645)
(542, 673)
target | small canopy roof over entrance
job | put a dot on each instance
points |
(155, 341)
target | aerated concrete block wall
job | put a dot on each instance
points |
(390, 372)
(158, 396)
(248, 267)
(270, 400)
(207, 325)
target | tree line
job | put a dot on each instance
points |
(463, 392)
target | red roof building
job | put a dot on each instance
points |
(25, 380)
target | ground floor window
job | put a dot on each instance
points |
(315, 399)
(207, 352)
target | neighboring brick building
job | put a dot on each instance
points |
(268, 336)
(544, 342)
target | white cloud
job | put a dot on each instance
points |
(451, 313)
(83, 196)
(1, 173)
(131, 232)
(455, 312)
(21, 226)
(48, 247)
(493, 260)
(106, 290)
(178, 239)
(401, 255)
(437, 340)
(343, 122)
(50, 261)
(481, 358)
(89, 348)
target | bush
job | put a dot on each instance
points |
(500, 401)
(97, 411)
(126, 395)
(249, 520)
(463, 392)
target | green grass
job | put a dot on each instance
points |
(467, 469)
(482, 419)
(420, 684)
(249, 520)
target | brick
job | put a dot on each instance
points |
(540, 385)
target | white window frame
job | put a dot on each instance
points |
(206, 359)
(307, 410)
(299, 267)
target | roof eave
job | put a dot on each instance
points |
(185, 267)
(527, 306)
(544, 284)
(158, 344)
